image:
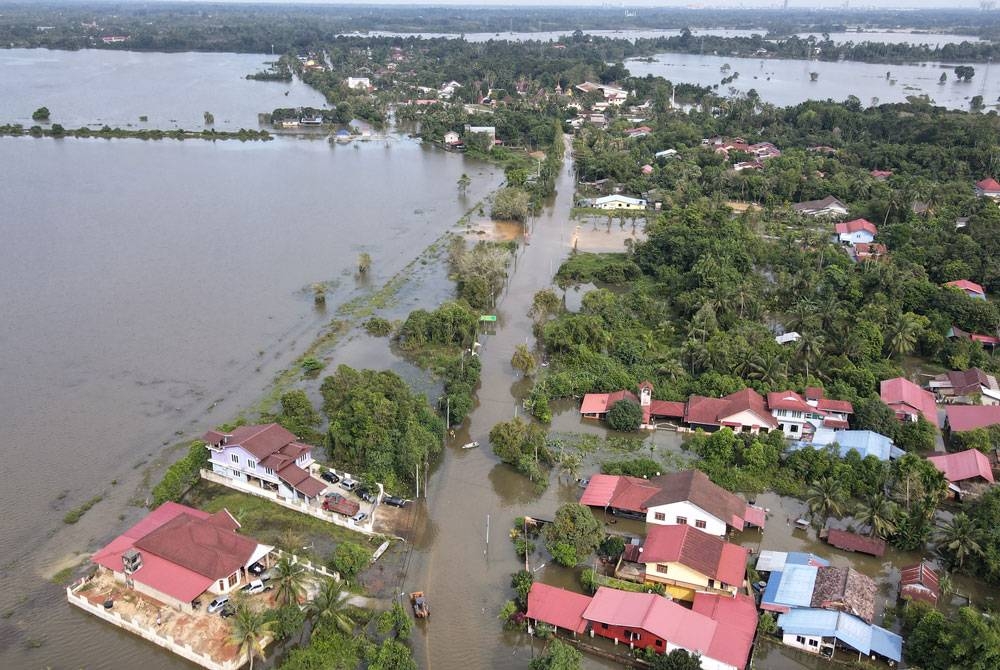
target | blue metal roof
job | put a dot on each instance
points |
(792, 587)
(846, 628)
(803, 558)
(865, 442)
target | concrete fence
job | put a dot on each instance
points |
(297, 505)
(135, 627)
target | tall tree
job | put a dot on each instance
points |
(289, 579)
(879, 514)
(826, 497)
(959, 539)
(249, 630)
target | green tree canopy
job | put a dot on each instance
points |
(573, 535)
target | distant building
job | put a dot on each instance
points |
(963, 466)
(908, 400)
(856, 232)
(359, 83)
(828, 206)
(988, 188)
(619, 202)
(451, 137)
(972, 386)
(970, 288)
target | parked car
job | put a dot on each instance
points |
(359, 517)
(217, 604)
(329, 476)
(227, 611)
(395, 501)
(366, 494)
(255, 587)
(257, 569)
(348, 484)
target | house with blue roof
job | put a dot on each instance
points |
(865, 442)
(820, 631)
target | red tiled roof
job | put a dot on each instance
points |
(706, 554)
(628, 493)
(831, 405)
(181, 573)
(966, 285)
(905, 397)
(866, 250)
(814, 393)
(985, 339)
(841, 539)
(557, 607)
(647, 611)
(964, 465)
(261, 440)
(970, 417)
(667, 408)
(600, 403)
(856, 225)
(789, 400)
(716, 411)
(835, 423)
(695, 487)
(737, 619)
(881, 173)
(989, 184)
(919, 582)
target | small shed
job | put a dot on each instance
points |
(842, 539)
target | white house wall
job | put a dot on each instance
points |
(691, 512)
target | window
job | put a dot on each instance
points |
(604, 626)
(660, 516)
(234, 458)
(222, 584)
(268, 471)
(682, 521)
(813, 643)
(659, 643)
(233, 578)
(251, 464)
(662, 568)
(699, 523)
(800, 639)
(711, 583)
(794, 428)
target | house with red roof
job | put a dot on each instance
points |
(650, 621)
(681, 498)
(971, 387)
(178, 555)
(970, 465)
(689, 561)
(962, 418)
(988, 188)
(869, 252)
(969, 288)
(794, 415)
(857, 231)
(881, 175)
(268, 456)
(557, 607)
(597, 405)
(744, 411)
(919, 582)
(908, 400)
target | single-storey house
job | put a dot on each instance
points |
(769, 560)
(787, 338)
(968, 465)
(688, 561)
(266, 455)
(825, 587)
(972, 386)
(908, 400)
(970, 288)
(865, 442)
(828, 206)
(881, 175)
(869, 252)
(688, 497)
(619, 202)
(177, 554)
(557, 607)
(919, 582)
(451, 137)
(361, 83)
(744, 411)
(987, 341)
(988, 188)
(961, 418)
(819, 631)
(855, 232)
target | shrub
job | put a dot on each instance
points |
(350, 559)
(182, 475)
(625, 416)
(378, 326)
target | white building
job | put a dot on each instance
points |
(619, 202)
(359, 83)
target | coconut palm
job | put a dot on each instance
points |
(903, 333)
(826, 498)
(249, 630)
(331, 605)
(879, 514)
(810, 349)
(289, 581)
(958, 539)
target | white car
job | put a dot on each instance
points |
(348, 484)
(217, 604)
(359, 518)
(255, 587)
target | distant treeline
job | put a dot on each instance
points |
(283, 29)
(56, 130)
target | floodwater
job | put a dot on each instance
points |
(174, 90)
(787, 82)
(152, 290)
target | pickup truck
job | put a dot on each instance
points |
(334, 502)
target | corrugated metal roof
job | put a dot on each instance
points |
(557, 607)
(793, 586)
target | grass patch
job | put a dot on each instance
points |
(76, 514)
(63, 576)
(270, 523)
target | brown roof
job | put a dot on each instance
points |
(262, 440)
(714, 411)
(694, 486)
(968, 381)
(841, 539)
(813, 205)
(208, 547)
(706, 554)
(845, 590)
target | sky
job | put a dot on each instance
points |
(708, 4)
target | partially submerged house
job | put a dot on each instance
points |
(688, 497)
(821, 632)
(620, 202)
(266, 455)
(178, 555)
(919, 582)
(865, 442)
(744, 411)
(688, 561)
(908, 400)
(842, 539)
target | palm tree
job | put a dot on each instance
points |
(879, 514)
(248, 630)
(810, 348)
(331, 605)
(766, 369)
(903, 334)
(826, 498)
(802, 316)
(959, 538)
(289, 580)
